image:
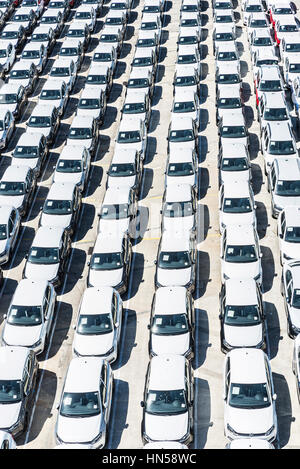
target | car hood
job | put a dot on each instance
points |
(105, 278)
(93, 344)
(231, 176)
(62, 221)
(74, 178)
(114, 226)
(290, 249)
(9, 414)
(248, 336)
(86, 142)
(178, 344)
(78, 430)
(24, 336)
(250, 421)
(295, 316)
(41, 130)
(23, 81)
(50, 102)
(128, 146)
(283, 202)
(181, 179)
(172, 277)
(184, 145)
(247, 269)
(14, 200)
(31, 162)
(242, 140)
(10, 107)
(167, 427)
(41, 271)
(98, 87)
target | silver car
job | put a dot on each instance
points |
(7, 126)
(9, 230)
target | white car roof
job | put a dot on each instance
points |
(231, 150)
(98, 69)
(292, 215)
(181, 154)
(12, 362)
(10, 88)
(82, 121)
(130, 123)
(96, 300)
(224, 68)
(29, 139)
(22, 64)
(167, 372)
(170, 300)
(294, 58)
(178, 193)
(142, 52)
(42, 109)
(61, 191)
(146, 34)
(140, 72)
(240, 234)
(3, 112)
(236, 189)
(48, 236)
(280, 130)
(233, 118)
(247, 365)
(107, 242)
(184, 71)
(116, 195)
(62, 62)
(266, 53)
(77, 24)
(91, 92)
(229, 47)
(288, 168)
(52, 85)
(32, 46)
(274, 100)
(149, 18)
(241, 292)
(122, 155)
(29, 292)
(286, 19)
(186, 50)
(262, 32)
(181, 123)
(104, 47)
(173, 241)
(293, 38)
(223, 28)
(135, 96)
(83, 374)
(182, 95)
(229, 91)
(15, 173)
(71, 42)
(72, 152)
(52, 12)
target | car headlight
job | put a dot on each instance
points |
(223, 225)
(226, 277)
(257, 277)
(270, 430)
(288, 258)
(277, 207)
(231, 430)
(110, 351)
(295, 328)
(36, 344)
(95, 440)
(184, 437)
(120, 285)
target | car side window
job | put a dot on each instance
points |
(103, 383)
(11, 224)
(290, 290)
(273, 177)
(115, 304)
(5, 444)
(45, 306)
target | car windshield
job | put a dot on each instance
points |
(68, 51)
(233, 131)
(9, 98)
(229, 103)
(224, 37)
(40, 255)
(118, 6)
(24, 315)
(180, 169)
(296, 298)
(247, 315)
(4, 4)
(266, 62)
(49, 19)
(149, 25)
(224, 19)
(169, 324)
(9, 34)
(293, 47)
(283, 11)
(3, 53)
(228, 78)
(255, 8)
(189, 22)
(134, 108)
(26, 152)
(276, 114)
(237, 205)
(187, 59)
(18, 18)
(174, 260)
(50, 94)
(80, 133)
(83, 15)
(57, 207)
(122, 169)
(187, 106)
(89, 103)
(151, 9)
(38, 37)
(114, 21)
(29, 3)
(97, 79)
(281, 147)
(109, 38)
(3, 232)
(270, 85)
(107, 261)
(258, 24)
(39, 121)
(54, 4)
(31, 54)
(223, 6)
(19, 74)
(188, 40)
(138, 83)
(181, 135)
(10, 391)
(69, 166)
(294, 68)
(166, 402)
(131, 136)
(227, 56)
(142, 61)
(178, 209)
(249, 396)
(292, 234)
(190, 8)
(241, 254)
(114, 212)
(60, 72)
(185, 81)
(262, 41)
(234, 164)
(94, 324)
(146, 43)
(76, 33)
(12, 188)
(288, 188)
(80, 404)
(288, 28)
(102, 57)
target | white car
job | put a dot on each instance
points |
(234, 163)
(240, 253)
(172, 322)
(291, 68)
(87, 393)
(45, 120)
(241, 315)
(228, 52)
(186, 78)
(55, 93)
(168, 400)
(6, 440)
(73, 166)
(84, 131)
(100, 76)
(251, 6)
(188, 56)
(17, 187)
(44, 34)
(66, 69)
(290, 290)
(179, 208)
(228, 100)
(132, 134)
(53, 17)
(99, 322)
(183, 133)
(31, 150)
(87, 14)
(263, 56)
(7, 126)
(187, 104)
(296, 364)
(36, 5)
(236, 204)
(92, 103)
(105, 54)
(73, 48)
(261, 39)
(30, 315)
(126, 168)
(176, 260)
(227, 75)
(35, 53)
(288, 229)
(24, 73)
(182, 167)
(249, 396)
(232, 128)
(7, 56)
(137, 104)
(249, 443)
(9, 230)
(164, 445)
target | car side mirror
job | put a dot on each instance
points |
(224, 396)
(117, 324)
(148, 326)
(155, 262)
(4, 316)
(57, 406)
(142, 404)
(74, 327)
(220, 316)
(26, 256)
(260, 255)
(274, 397)
(280, 235)
(88, 264)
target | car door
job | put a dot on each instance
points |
(48, 316)
(12, 227)
(105, 393)
(117, 318)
